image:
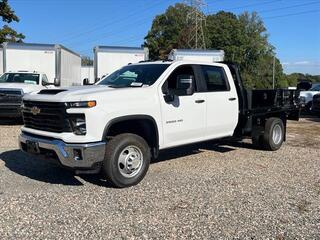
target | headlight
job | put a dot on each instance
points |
(86, 104)
(78, 123)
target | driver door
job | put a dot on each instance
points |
(184, 118)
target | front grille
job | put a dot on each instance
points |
(46, 116)
(8, 96)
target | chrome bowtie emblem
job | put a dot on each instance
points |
(35, 110)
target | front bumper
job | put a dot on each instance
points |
(86, 156)
(10, 110)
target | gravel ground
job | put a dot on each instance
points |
(208, 191)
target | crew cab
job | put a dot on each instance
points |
(118, 125)
(13, 85)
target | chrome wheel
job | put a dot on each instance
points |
(130, 161)
(277, 134)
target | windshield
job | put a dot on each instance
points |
(28, 78)
(135, 75)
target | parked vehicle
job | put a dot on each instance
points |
(13, 85)
(61, 65)
(307, 96)
(316, 104)
(32, 67)
(123, 121)
(108, 59)
(208, 56)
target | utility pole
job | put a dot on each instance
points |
(196, 20)
(273, 71)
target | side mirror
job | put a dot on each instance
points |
(86, 81)
(185, 85)
(56, 82)
(97, 80)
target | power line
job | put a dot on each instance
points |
(251, 5)
(288, 7)
(293, 14)
(118, 33)
(110, 23)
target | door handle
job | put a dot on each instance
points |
(232, 99)
(199, 101)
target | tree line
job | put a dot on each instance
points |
(244, 38)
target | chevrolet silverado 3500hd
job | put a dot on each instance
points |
(123, 121)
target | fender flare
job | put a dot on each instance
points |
(132, 117)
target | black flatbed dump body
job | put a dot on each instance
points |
(257, 105)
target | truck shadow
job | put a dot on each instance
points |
(34, 168)
(49, 172)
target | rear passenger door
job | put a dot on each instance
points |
(222, 102)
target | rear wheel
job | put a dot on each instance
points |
(127, 160)
(274, 134)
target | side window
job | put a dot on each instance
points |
(215, 78)
(171, 82)
(45, 80)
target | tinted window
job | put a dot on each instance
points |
(215, 78)
(181, 70)
(135, 74)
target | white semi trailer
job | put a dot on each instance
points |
(208, 56)
(61, 65)
(108, 59)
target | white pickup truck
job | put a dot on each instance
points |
(306, 97)
(13, 85)
(123, 121)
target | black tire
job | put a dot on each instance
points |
(273, 124)
(111, 167)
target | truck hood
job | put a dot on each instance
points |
(79, 93)
(26, 88)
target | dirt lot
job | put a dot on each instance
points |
(208, 191)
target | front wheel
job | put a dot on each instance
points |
(127, 160)
(274, 134)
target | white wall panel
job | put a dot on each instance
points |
(108, 62)
(70, 69)
(87, 72)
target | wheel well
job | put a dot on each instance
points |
(143, 127)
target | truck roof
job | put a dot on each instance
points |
(169, 62)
